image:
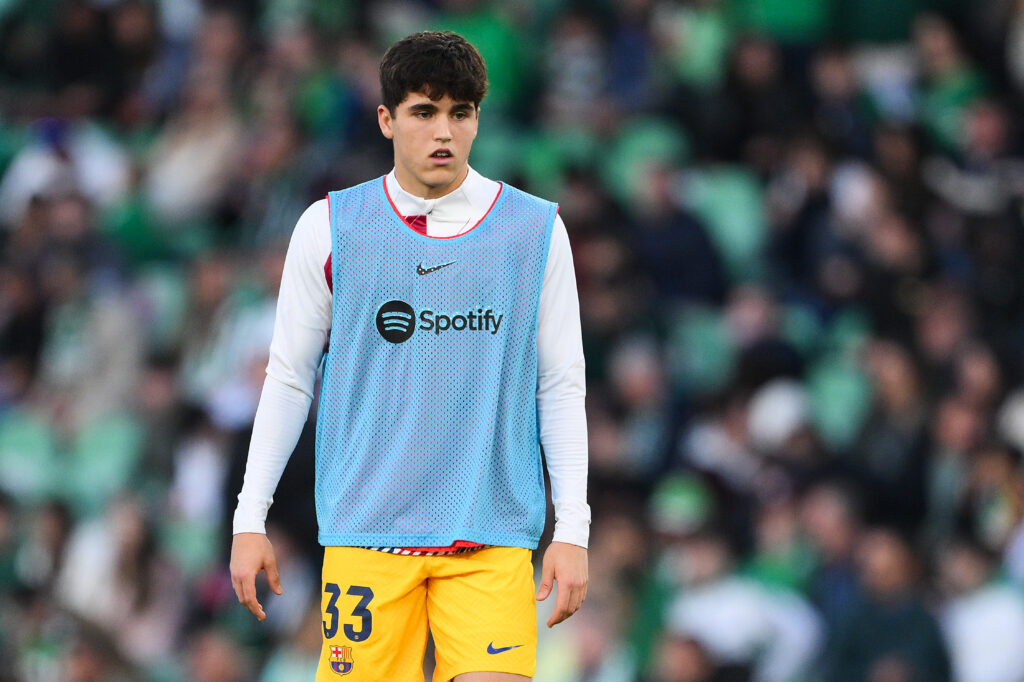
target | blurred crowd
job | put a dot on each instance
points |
(797, 228)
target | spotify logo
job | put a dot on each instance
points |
(395, 321)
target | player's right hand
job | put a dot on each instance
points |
(250, 554)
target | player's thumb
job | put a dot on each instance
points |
(547, 579)
(273, 577)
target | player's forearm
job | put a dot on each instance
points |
(276, 429)
(564, 437)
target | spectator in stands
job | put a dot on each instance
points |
(983, 617)
(890, 635)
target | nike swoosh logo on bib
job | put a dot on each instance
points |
(492, 650)
(420, 270)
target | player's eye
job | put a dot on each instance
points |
(461, 115)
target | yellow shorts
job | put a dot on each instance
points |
(376, 609)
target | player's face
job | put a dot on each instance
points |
(432, 142)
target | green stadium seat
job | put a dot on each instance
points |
(102, 461)
(30, 469)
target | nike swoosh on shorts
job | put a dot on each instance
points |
(492, 650)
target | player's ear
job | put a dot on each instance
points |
(385, 120)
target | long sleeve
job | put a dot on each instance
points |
(561, 390)
(301, 329)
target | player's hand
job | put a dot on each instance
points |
(567, 565)
(250, 554)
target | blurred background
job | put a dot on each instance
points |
(798, 235)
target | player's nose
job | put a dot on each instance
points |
(442, 133)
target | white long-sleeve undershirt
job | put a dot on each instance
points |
(302, 328)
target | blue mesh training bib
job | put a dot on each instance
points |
(427, 428)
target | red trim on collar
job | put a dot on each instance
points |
(501, 188)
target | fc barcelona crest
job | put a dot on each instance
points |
(341, 659)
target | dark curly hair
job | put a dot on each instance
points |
(436, 63)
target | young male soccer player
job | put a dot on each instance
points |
(450, 305)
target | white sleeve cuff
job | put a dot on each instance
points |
(573, 525)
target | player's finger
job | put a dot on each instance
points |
(249, 598)
(561, 607)
(273, 577)
(557, 617)
(547, 579)
(579, 593)
(571, 590)
(238, 582)
(575, 594)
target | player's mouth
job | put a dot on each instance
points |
(442, 157)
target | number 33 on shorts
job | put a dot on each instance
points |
(333, 616)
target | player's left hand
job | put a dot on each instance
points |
(567, 565)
